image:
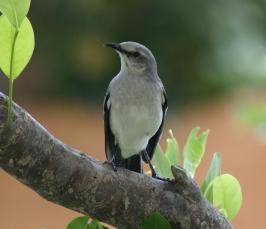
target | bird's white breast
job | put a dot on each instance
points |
(136, 112)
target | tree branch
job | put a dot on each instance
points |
(79, 182)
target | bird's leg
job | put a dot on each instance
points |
(153, 173)
(113, 163)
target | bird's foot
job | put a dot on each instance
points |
(112, 164)
(162, 178)
(154, 175)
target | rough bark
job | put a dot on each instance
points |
(79, 182)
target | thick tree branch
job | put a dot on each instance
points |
(79, 182)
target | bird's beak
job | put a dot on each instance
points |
(114, 46)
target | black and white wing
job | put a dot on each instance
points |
(156, 137)
(110, 147)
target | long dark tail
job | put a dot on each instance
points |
(134, 163)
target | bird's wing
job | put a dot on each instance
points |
(154, 140)
(110, 147)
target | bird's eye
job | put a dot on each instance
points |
(136, 54)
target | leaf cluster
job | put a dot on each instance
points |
(222, 190)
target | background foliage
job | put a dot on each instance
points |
(202, 48)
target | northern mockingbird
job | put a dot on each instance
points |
(134, 108)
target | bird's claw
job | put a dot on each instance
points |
(162, 178)
(112, 164)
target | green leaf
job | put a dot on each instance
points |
(194, 150)
(155, 221)
(78, 223)
(22, 50)
(15, 11)
(95, 224)
(172, 150)
(161, 163)
(213, 171)
(209, 193)
(226, 195)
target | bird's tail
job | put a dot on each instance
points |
(134, 163)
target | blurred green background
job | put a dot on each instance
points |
(202, 48)
(211, 57)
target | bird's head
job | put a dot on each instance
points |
(135, 58)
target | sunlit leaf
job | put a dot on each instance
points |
(194, 150)
(155, 221)
(209, 193)
(213, 171)
(78, 223)
(15, 10)
(23, 47)
(161, 163)
(172, 150)
(226, 195)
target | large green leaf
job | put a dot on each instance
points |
(23, 47)
(78, 223)
(194, 150)
(161, 163)
(172, 150)
(213, 171)
(226, 195)
(155, 221)
(15, 10)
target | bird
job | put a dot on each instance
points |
(135, 107)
